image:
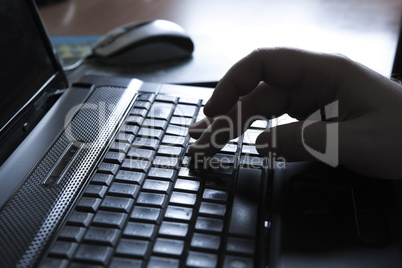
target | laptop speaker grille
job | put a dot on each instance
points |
(36, 210)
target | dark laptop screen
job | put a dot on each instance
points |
(24, 62)
(27, 64)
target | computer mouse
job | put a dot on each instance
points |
(144, 42)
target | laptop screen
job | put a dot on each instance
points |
(25, 65)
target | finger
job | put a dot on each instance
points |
(300, 142)
(196, 129)
(311, 78)
(213, 138)
(216, 135)
(224, 128)
(264, 100)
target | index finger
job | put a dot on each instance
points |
(285, 68)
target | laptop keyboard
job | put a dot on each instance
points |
(147, 207)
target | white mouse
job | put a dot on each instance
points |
(144, 42)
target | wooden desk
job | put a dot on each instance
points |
(364, 30)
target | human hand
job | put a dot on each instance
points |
(271, 82)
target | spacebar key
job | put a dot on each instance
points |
(244, 215)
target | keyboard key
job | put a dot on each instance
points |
(189, 101)
(146, 143)
(133, 248)
(162, 174)
(108, 168)
(155, 123)
(152, 199)
(63, 249)
(170, 151)
(250, 136)
(137, 118)
(159, 262)
(169, 246)
(200, 115)
(209, 224)
(94, 254)
(249, 150)
(187, 185)
(166, 162)
(235, 140)
(114, 157)
(146, 214)
(138, 112)
(72, 233)
(229, 148)
(53, 262)
(150, 133)
(94, 190)
(138, 153)
(149, 97)
(179, 213)
(124, 137)
(213, 209)
(240, 245)
(222, 170)
(120, 204)
(136, 164)
(181, 121)
(130, 177)
(120, 147)
(245, 204)
(174, 140)
(126, 263)
(237, 261)
(103, 236)
(141, 230)
(260, 124)
(110, 219)
(201, 259)
(205, 241)
(215, 195)
(160, 110)
(124, 189)
(89, 204)
(185, 110)
(185, 172)
(157, 186)
(130, 129)
(142, 104)
(186, 161)
(177, 130)
(80, 218)
(102, 179)
(173, 229)
(166, 98)
(183, 198)
(86, 265)
(191, 141)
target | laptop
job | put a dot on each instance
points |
(96, 174)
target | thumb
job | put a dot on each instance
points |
(301, 141)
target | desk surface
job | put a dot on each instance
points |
(364, 30)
